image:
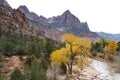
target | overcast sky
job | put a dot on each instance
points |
(101, 15)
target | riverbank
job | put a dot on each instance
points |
(89, 73)
(100, 69)
(115, 63)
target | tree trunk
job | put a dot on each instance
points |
(70, 68)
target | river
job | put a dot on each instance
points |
(107, 72)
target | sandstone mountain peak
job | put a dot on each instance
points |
(68, 15)
(23, 8)
(66, 22)
(67, 12)
(30, 15)
(4, 3)
(69, 23)
(14, 22)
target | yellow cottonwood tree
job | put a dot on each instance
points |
(76, 49)
(112, 47)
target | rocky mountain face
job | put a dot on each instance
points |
(67, 23)
(46, 31)
(4, 3)
(68, 20)
(52, 27)
(109, 36)
(40, 24)
(30, 15)
(14, 22)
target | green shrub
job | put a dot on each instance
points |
(8, 49)
(21, 58)
(17, 75)
(1, 58)
(63, 68)
(20, 50)
(2, 76)
(29, 59)
(1, 65)
(34, 48)
(44, 64)
(94, 53)
(35, 71)
(118, 49)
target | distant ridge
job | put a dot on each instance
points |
(54, 27)
(67, 23)
(110, 36)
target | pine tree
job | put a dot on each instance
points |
(17, 75)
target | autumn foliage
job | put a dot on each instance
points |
(76, 50)
(112, 48)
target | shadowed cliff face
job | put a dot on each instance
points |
(53, 27)
(4, 3)
(15, 22)
(67, 23)
(67, 20)
(40, 23)
(30, 15)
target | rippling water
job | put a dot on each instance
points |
(107, 72)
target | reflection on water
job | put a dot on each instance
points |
(107, 72)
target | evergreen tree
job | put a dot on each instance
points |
(17, 75)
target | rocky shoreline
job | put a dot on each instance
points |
(89, 73)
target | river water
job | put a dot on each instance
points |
(107, 72)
